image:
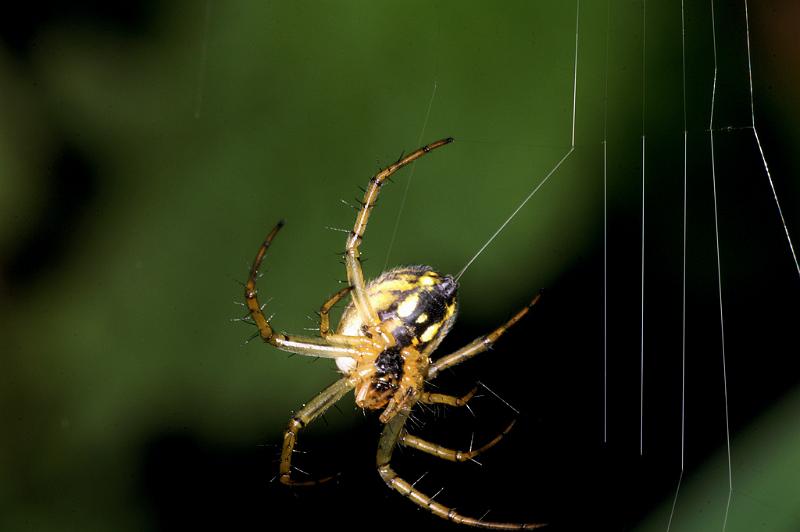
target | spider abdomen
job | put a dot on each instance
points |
(417, 307)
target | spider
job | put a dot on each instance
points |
(383, 347)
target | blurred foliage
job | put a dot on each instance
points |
(145, 152)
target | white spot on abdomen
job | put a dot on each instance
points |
(408, 305)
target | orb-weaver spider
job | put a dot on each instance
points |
(383, 346)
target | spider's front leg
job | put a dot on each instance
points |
(300, 345)
(352, 261)
(439, 450)
(392, 433)
(310, 411)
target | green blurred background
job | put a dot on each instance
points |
(146, 150)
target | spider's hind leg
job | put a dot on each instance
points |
(452, 455)
(450, 400)
(392, 433)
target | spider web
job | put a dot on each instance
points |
(736, 24)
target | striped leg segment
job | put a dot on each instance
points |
(301, 345)
(391, 435)
(450, 400)
(479, 345)
(313, 409)
(450, 454)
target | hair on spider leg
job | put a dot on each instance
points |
(469, 409)
(471, 442)
(237, 281)
(250, 339)
(247, 320)
(426, 407)
(338, 229)
(420, 478)
(349, 204)
(435, 495)
(431, 384)
(295, 468)
(375, 202)
(401, 449)
(475, 461)
(415, 422)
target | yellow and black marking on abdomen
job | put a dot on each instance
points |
(418, 307)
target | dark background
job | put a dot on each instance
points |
(146, 149)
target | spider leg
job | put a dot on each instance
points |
(301, 345)
(479, 345)
(443, 399)
(392, 433)
(450, 454)
(324, 311)
(325, 324)
(352, 254)
(313, 409)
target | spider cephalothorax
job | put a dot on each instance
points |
(383, 346)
